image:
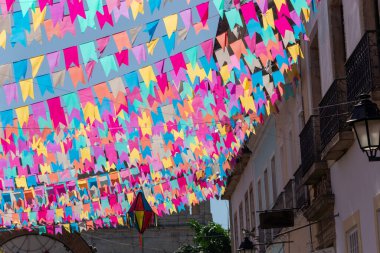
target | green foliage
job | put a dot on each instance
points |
(210, 238)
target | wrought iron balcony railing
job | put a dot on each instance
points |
(301, 191)
(333, 112)
(362, 68)
(310, 144)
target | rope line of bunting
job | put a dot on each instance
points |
(170, 129)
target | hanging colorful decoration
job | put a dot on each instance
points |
(141, 214)
(167, 117)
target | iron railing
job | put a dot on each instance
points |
(333, 112)
(362, 68)
(310, 144)
(301, 191)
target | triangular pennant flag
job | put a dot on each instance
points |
(151, 46)
(182, 34)
(169, 43)
(140, 53)
(208, 47)
(187, 18)
(147, 75)
(154, 4)
(3, 39)
(26, 5)
(233, 18)
(22, 114)
(171, 24)
(219, 4)
(122, 41)
(151, 28)
(203, 12)
(36, 64)
(27, 89)
(108, 64)
(102, 44)
(53, 60)
(89, 69)
(121, 11)
(122, 57)
(45, 84)
(136, 8)
(38, 17)
(192, 54)
(58, 78)
(178, 62)
(88, 52)
(134, 32)
(71, 56)
(223, 40)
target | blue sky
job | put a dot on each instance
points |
(219, 209)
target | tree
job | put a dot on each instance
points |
(210, 238)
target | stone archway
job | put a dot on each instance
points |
(69, 242)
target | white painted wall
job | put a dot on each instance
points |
(353, 23)
(325, 48)
(355, 183)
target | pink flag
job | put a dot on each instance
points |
(251, 42)
(56, 11)
(102, 44)
(44, 2)
(76, 8)
(11, 92)
(121, 11)
(89, 68)
(162, 81)
(140, 53)
(186, 18)
(57, 114)
(122, 57)
(203, 12)
(249, 12)
(178, 62)
(105, 17)
(9, 4)
(71, 56)
(160, 66)
(208, 47)
(53, 60)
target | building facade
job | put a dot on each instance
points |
(171, 232)
(320, 171)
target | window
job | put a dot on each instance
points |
(241, 225)
(252, 206)
(266, 188)
(274, 178)
(247, 213)
(259, 195)
(353, 240)
(236, 230)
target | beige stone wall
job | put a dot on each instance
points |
(172, 232)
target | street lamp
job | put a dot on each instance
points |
(365, 119)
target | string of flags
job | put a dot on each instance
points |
(170, 129)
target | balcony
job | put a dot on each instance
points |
(362, 68)
(313, 168)
(322, 202)
(301, 192)
(336, 135)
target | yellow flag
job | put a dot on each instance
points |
(38, 17)
(279, 3)
(3, 39)
(36, 64)
(22, 114)
(268, 19)
(295, 51)
(171, 24)
(148, 75)
(27, 89)
(137, 8)
(151, 46)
